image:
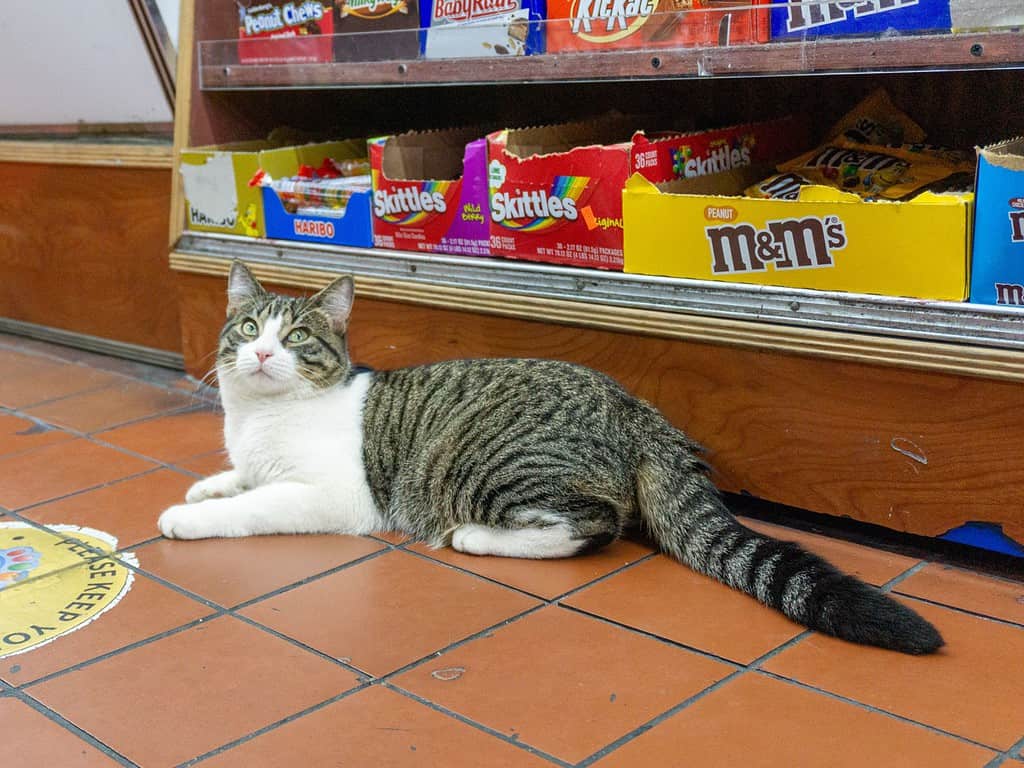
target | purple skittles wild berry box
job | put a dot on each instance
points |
(430, 192)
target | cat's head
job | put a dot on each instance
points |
(274, 346)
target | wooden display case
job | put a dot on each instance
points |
(896, 412)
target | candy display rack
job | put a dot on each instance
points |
(898, 412)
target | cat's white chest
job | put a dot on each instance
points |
(318, 441)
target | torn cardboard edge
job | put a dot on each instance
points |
(433, 155)
(1008, 154)
(540, 141)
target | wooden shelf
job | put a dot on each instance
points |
(219, 70)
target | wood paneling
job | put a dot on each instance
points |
(918, 452)
(84, 249)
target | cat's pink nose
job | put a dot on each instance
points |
(262, 356)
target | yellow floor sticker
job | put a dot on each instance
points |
(55, 582)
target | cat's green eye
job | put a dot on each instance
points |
(298, 336)
(249, 328)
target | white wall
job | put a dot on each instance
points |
(169, 13)
(68, 61)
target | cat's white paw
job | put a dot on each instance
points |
(214, 487)
(473, 539)
(185, 521)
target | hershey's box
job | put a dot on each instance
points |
(997, 269)
(473, 28)
(279, 33)
(430, 191)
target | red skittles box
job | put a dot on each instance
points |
(670, 156)
(294, 32)
(430, 192)
(594, 25)
(556, 192)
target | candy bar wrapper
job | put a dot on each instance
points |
(399, 20)
(876, 120)
(594, 25)
(878, 171)
(475, 28)
(285, 32)
(781, 186)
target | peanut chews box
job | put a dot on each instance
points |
(997, 272)
(814, 236)
(556, 191)
(430, 192)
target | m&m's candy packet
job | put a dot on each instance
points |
(887, 172)
(876, 120)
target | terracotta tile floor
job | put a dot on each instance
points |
(120, 648)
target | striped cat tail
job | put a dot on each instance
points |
(687, 518)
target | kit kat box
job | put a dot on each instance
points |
(595, 25)
(430, 192)
(285, 33)
(359, 22)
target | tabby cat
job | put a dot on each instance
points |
(517, 458)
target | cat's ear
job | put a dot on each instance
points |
(242, 286)
(336, 300)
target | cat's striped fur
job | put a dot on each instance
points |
(542, 458)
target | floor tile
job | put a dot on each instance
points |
(30, 379)
(171, 439)
(875, 566)
(207, 464)
(232, 571)
(31, 738)
(562, 682)
(144, 610)
(945, 584)
(756, 721)
(388, 611)
(381, 728)
(668, 599)
(546, 578)
(122, 401)
(57, 470)
(127, 509)
(392, 537)
(970, 688)
(18, 435)
(186, 694)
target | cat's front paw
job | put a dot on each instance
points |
(184, 522)
(224, 485)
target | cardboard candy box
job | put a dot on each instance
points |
(997, 271)
(595, 25)
(826, 239)
(218, 197)
(285, 32)
(398, 22)
(430, 192)
(472, 28)
(806, 18)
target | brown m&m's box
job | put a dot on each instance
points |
(377, 30)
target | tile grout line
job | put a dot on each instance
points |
(872, 708)
(273, 726)
(83, 735)
(1005, 755)
(479, 726)
(965, 611)
(123, 649)
(361, 675)
(658, 719)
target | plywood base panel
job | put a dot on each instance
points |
(84, 249)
